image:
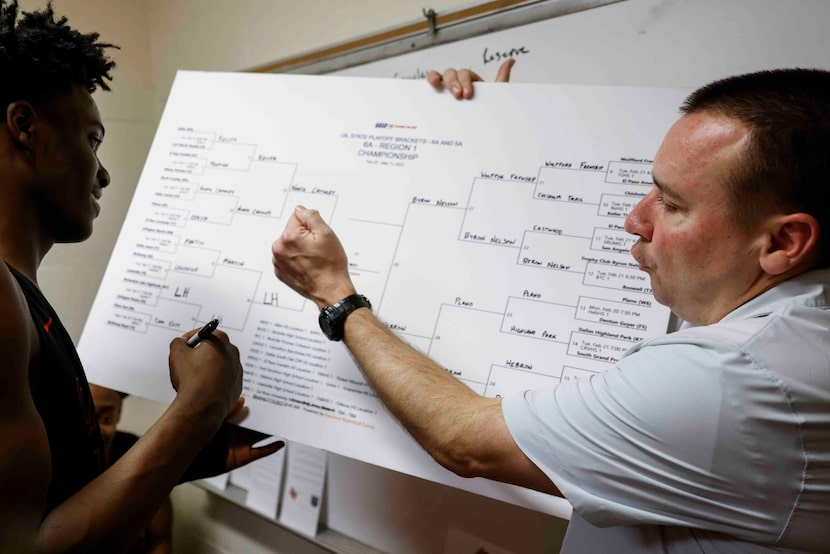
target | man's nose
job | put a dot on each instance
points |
(638, 222)
(103, 175)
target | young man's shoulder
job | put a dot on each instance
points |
(25, 467)
(18, 337)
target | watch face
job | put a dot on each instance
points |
(333, 317)
(325, 324)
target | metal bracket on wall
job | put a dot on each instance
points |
(431, 15)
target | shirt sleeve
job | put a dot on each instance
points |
(681, 432)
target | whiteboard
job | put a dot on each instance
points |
(650, 43)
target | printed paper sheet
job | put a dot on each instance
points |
(489, 234)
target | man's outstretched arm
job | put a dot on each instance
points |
(464, 432)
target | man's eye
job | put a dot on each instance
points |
(95, 141)
(666, 205)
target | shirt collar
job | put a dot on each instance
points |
(810, 289)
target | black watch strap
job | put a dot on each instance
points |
(333, 318)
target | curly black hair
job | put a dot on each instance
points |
(41, 57)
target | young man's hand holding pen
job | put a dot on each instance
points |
(209, 376)
(208, 381)
(203, 333)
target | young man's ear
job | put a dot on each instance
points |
(20, 120)
(792, 242)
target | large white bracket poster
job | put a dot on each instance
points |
(487, 233)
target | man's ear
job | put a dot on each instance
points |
(20, 121)
(791, 241)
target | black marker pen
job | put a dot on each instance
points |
(203, 333)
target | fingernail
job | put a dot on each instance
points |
(456, 90)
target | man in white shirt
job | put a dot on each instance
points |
(714, 438)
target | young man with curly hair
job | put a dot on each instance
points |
(57, 494)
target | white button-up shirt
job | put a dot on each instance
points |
(709, 439)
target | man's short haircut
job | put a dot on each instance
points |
(41, 57)
(787, 162)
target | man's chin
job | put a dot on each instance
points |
(656, 290)
(77, 235)
(659, 296)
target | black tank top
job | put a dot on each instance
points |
(62, 398)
